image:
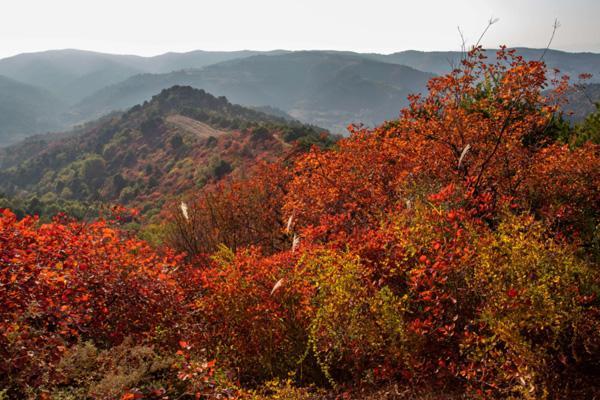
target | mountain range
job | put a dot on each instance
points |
(56, 90)
(76, 74)
(327, 89)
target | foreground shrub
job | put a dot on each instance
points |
(538, 301)
(564, 190)
(255, 312)
(358, 329)
(84, 371)
(65, 282)
(283, 390)
(235, 213)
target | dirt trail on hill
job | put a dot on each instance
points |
(193, 126)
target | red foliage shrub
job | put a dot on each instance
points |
(256, 312)
(420, 198)
(64, 281)
(236, 213)
(564, 188)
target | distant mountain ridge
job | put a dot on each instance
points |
(75, 74)
(441, 62)
(328, 88)
(25, 108)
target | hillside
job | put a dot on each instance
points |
(25, 109)
(324, 88)
(581, 101)
(70, 74)
(181, 139)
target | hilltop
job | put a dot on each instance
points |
(181, 139)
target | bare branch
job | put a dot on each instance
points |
(463, 44)
(491, 22)
(554, 29)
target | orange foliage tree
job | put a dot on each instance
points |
(480, 128)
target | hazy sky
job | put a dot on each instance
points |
(149, 27)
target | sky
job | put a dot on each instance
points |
(150, 27)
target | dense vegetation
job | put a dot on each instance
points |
(182, 139)
(451, 253)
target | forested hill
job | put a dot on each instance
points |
(181, 139)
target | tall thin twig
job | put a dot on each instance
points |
(554, 29)
(491, 22)
(463, 45)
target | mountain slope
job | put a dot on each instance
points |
(183, 138)
(325, 88)
(582, 101)
(25, 109)
(69, 74)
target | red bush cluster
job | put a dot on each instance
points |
(65, 282)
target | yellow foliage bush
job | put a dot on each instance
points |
(532, 290)
(358, 327)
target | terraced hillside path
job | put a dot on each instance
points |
(196, 127)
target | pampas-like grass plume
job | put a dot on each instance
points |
(277, 286)
(184, 211)
(288, 226)
(463, 154)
